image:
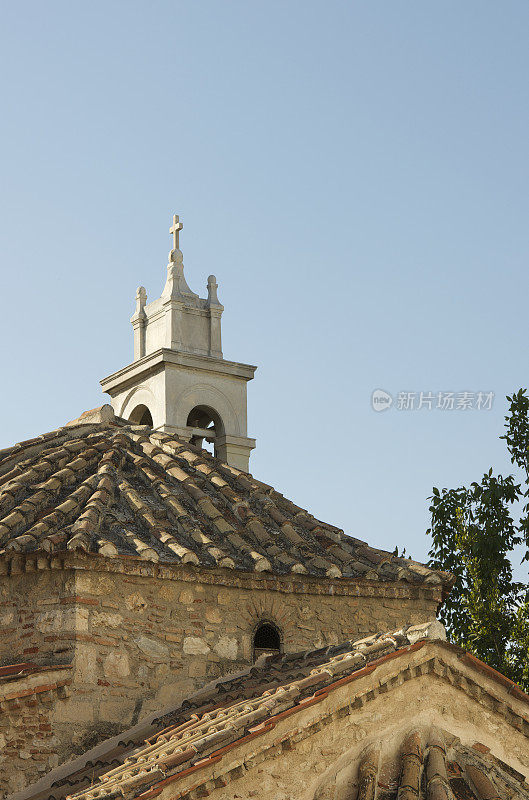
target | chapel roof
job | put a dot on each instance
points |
(104, 486)
(227, 713)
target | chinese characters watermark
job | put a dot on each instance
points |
(429, 401)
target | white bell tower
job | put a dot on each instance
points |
(179, 381)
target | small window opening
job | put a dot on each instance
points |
(266, 640)
(141, 416)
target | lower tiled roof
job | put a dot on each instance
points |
(223, 711)
(20, 681)
(116, 489)
(184, 743)
(223, 714)
(226, 707)
(12, 672)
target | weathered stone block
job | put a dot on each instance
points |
(194, 645)
(227, 647)
(152, 647)
(116, 665)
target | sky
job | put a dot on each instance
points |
(356, 176)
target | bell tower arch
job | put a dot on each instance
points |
(179, 380)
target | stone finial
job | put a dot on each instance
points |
(212, 300)
(176, 287)
(141, 300)
(139, 322)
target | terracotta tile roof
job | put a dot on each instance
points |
(222, 712)
(107, 487)
(230, 711)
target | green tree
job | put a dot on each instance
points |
(474, 531)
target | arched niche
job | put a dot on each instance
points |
(141, 415)
(266, 640)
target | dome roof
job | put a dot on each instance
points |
(102, 485)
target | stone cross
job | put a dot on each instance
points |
(175, 229)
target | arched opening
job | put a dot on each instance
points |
(266, 639)
(208, 426)
(141, 416)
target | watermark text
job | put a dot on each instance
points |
(381, 400)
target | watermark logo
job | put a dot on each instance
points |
(432, 401)
(381, 400)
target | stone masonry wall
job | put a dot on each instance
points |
(33, 607)
(141, 639)
(30, 744)
(149, 643)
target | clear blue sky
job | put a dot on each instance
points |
(355, 174)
